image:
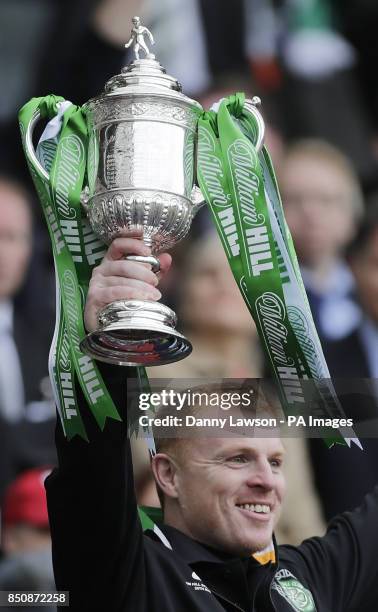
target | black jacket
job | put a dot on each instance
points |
(32, 337)
(103, 558)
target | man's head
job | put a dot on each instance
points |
(224, 492)
(362, 256)
(322, 199)
(15, 237)
(136, 21)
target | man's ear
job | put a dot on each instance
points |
(165, 470)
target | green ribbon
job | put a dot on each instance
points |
(241, 189)
(75, 250)
(243, 196)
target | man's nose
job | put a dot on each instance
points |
(261, 475)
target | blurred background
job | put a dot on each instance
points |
(313, 64)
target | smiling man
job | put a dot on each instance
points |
(221, 497)
(235, 485)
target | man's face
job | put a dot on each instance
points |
(15, 241)
(318, 209)
(230, 492)
(211, 300)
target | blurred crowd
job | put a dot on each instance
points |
(313, 64)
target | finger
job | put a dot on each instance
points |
(165, 263)
(122, 246)
(119, 281)
(100, 297)
(127, 269)
(107, 295)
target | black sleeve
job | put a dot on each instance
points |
(342, 566)
(96, 534)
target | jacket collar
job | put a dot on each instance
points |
(233, 579)
(192, 551)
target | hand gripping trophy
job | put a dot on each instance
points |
(140, 180)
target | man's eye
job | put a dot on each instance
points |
(276, 463)
(238, 459)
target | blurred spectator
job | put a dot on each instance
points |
(214, 317)
(295, 47)
(33, 437)
(298, 51)
(323, 201)
(26, 541)
(363, 259)
(15, 251)
(60, 47)
(360, 25)
(24, 31)
(353, 362)
(24, 327)
(179, 33)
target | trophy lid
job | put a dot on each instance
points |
(141, 74)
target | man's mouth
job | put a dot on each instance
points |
(258, 508)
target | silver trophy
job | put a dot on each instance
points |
(142, 137)
(141, 180)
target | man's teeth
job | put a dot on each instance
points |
(255, 508)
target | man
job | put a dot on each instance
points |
(221, 501)
(323, 202)
(26, 535)
(25, 332)
(353, 363)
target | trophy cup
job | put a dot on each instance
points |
(141, 182)
(141, 152)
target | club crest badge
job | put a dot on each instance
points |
(289, 587)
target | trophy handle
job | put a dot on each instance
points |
(197, 199)
(30, 147)
(251, 107)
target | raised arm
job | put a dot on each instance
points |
(97, 538)
(341, 567)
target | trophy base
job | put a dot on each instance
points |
(136, 333)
